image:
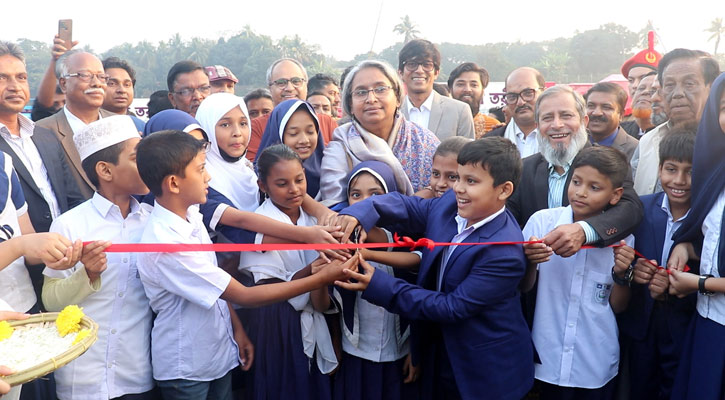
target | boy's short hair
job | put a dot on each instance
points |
(451, 146)
(678, 145)
(496, 155)
(610, 162)
(109, 155)
(165, 153)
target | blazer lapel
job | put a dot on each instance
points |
(480, 235)
(659, 225)
(20, 168)
(541, 185)
(66, 139)
(436, 113)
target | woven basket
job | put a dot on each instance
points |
(50, 365)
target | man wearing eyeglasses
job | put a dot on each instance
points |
(419, 63)
(188, 86)
(287, 79)
(523, 86)
(82, 78)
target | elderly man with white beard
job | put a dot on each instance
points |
(82, 78)
(561, 119)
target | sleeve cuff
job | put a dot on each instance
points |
(217, 216)
(589, 232)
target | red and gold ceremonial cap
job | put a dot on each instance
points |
(648, 58)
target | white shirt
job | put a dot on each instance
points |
(192, 337)
(16, 288)
(671, 228)
(575, 331)
(375, 336)
(712, 307)
(420, 115)
(25, 149)
(120, 361)
(463, 233)
(76, 124)
(527, 144)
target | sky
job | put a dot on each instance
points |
(344, 29)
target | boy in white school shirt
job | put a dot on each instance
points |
(575, 330)
(106, 286)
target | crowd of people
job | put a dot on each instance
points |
(583, 254)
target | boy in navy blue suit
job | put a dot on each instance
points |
(655, 324)
(466, 301)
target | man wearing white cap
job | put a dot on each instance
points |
(106, 286)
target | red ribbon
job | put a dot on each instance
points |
(399, 242)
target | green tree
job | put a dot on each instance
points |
(717, 29)
(407, 28)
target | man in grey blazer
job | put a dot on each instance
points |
(82, 78)
(605, 102)
(38, 158)
(419, 64)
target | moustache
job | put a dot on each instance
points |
(598, 118)
(522, 108)
(94, 90)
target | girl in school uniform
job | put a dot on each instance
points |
(294, 123)
(701, 374)
(293, 347)
(233, 191)
(375, 363)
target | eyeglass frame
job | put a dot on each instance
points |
(102, 77)
(520, 94)
(367, 92)
(280, 85)
(205, 90)
(419, 64)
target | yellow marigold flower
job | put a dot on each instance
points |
(81, 335)
(69, 320)
(5, 330)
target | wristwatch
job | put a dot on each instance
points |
(628, 275)
(701, 286)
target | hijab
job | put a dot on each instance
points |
(708, 171)
(233, 178)
(172, 119)
(274, 134)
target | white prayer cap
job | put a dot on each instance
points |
(104, 133)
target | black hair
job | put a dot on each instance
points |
(343, 76)
(109, 154)
(257, 94)
(442, 89)
(610, 162)
(165, 153)
(58, 90)
(181, 67)
(451, 146)
(710, 66)
(158, 101)
(468, 67)
(497, 113)
(497, 155)
(419, 50)
(678, 145)
(318, 83)
(317, 93)
(271, 156)
(611, 88)
(115, 62)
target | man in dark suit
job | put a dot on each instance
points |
(419, 64)
(82, 78)
(38, 158)
(605, 106)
